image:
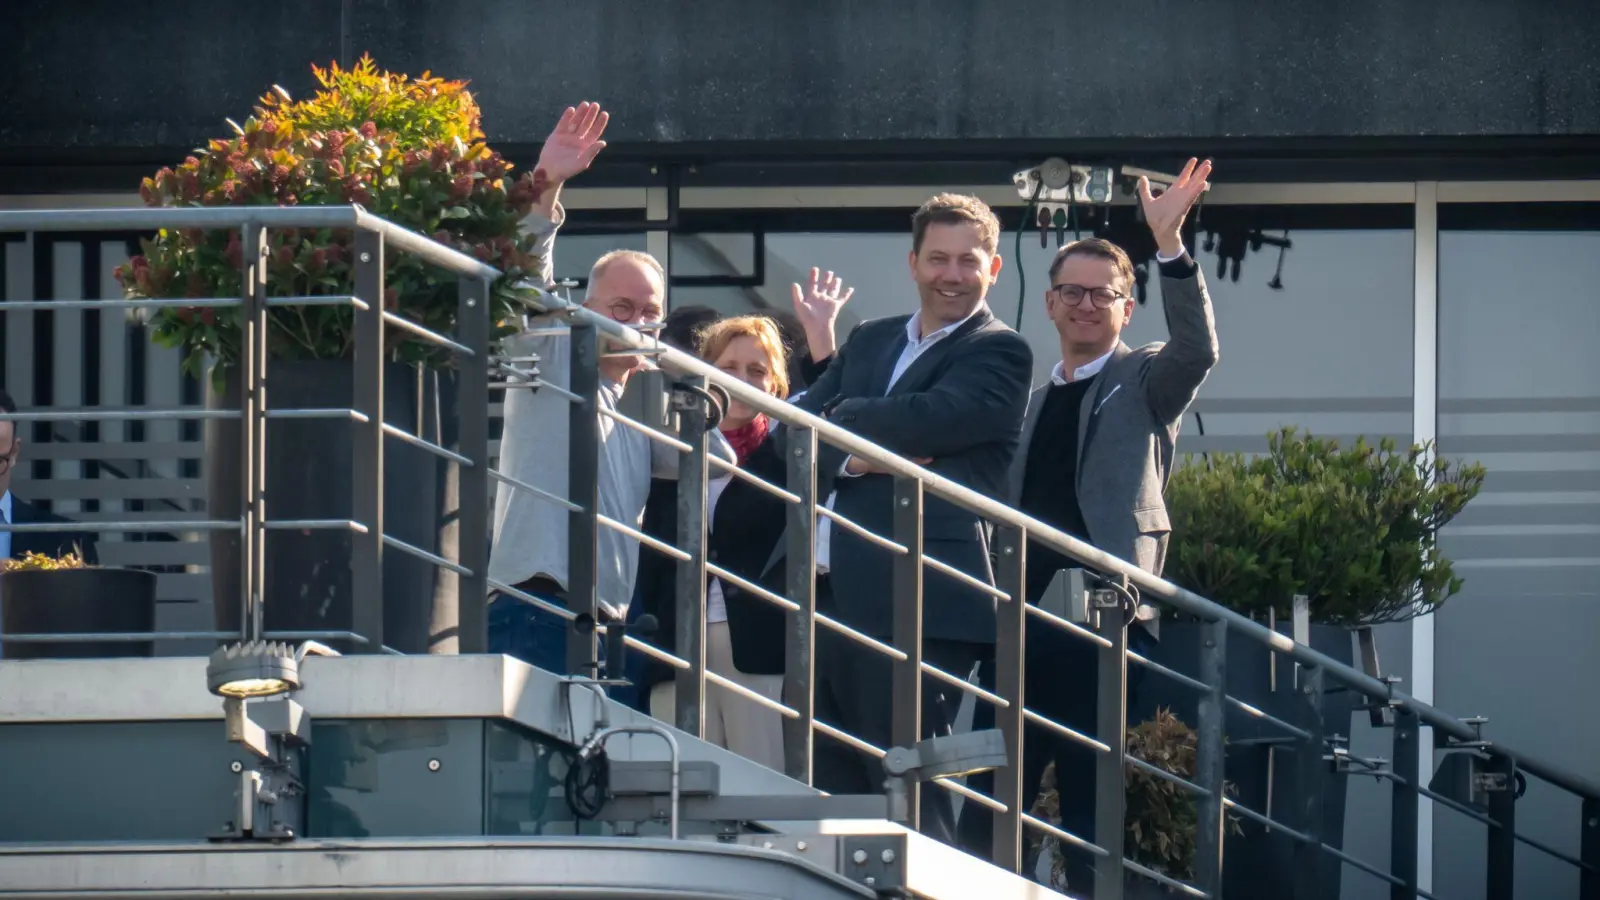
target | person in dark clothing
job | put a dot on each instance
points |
(15, 511)
(680, 330)
(1097, 449)
(945, 385)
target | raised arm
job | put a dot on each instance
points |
(1173, 375)
(981, 400)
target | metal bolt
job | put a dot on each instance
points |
(471, 303)
(433, 765)
(860, 857)
(801, 846)
(766, 845)
(799, 451)
(1008, 550)
(236, 767)
(366, 257)
(870, 881)
(905, 501)
(888, 856)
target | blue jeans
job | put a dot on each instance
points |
(538, 637)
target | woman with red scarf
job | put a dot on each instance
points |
(744, 633)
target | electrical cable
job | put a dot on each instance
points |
(1022, 275)
(587, 784)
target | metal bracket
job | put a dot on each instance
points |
(877, 861)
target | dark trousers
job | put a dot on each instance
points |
(535, 635)
(854, 693)
(1061, 682)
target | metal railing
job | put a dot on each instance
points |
(1013, 531)
(373, 237)
(1313, 753)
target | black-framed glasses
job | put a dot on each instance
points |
(1073, 294)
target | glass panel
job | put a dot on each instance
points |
(525, 785)
(1519, 391)
(395, 778)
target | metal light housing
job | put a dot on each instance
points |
(253, 669)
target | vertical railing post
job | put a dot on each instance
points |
(1502, 855)
(366, 483)
(1011, 576)
(689, 712)
(472, 408)
(1589, 851)
(252, 433)
(1111, 727)
(799, 647)
(1210, 757)
(583, 491)
(1310, 772)
(1405, 804)
(905, 725)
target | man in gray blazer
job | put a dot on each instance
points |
(947, 386)
(1097, 449)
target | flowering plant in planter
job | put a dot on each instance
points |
(40, 562)
(410, 150)
(1355, 529)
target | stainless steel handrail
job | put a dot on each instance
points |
(1149, 585)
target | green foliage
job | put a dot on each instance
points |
(1161, 817)
(407, 149)
(1355, 529)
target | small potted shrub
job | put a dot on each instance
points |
(409, 149)
(66, 595)
(1353, 529)
(1161, 818)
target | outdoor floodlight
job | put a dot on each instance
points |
(255, 680)
(253, 669)
(947, 756)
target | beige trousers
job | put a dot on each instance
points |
(733, 721)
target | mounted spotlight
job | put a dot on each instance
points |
(255, 669)
(255, 680)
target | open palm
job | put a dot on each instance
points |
(574, 143)
(819, 302)
(1165, 213)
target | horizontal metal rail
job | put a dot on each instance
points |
(427, 334)
(131, 637)
(146, 303)
(320, 300)
(231, 217)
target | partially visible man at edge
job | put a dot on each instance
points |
(15, 511)
(947, 386)
(530, 533)
(1097, 450)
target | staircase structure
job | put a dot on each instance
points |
(283, 768)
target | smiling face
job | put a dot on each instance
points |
(1089, 301)
(627, 287)
(745, 359)
(953, 270)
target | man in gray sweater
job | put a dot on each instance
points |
(530, 532)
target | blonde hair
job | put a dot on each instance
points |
(719, 335)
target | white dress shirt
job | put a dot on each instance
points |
(5, 516)
(5, 536)
(916, 345)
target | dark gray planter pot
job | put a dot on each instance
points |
(1262, 863)
(309, 471)
(78, 601)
